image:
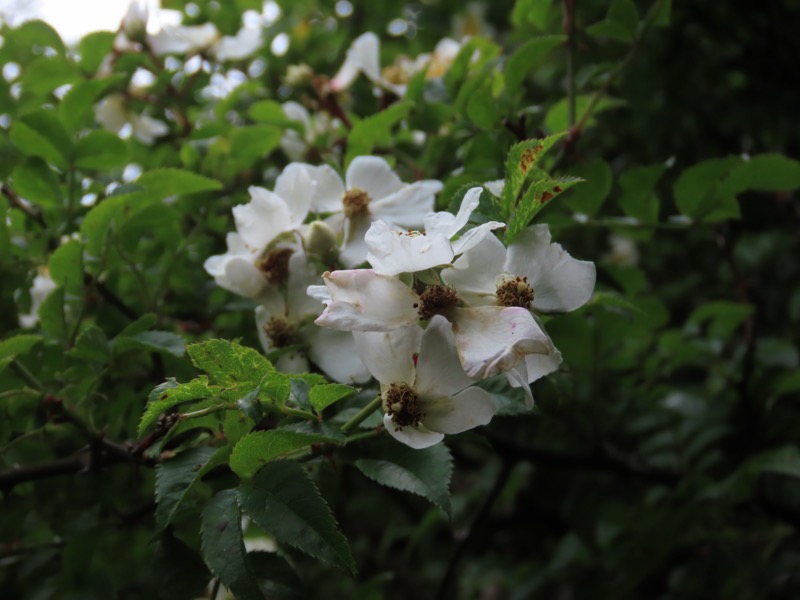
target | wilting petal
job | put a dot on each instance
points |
(391, 252)
(335, 353)
(439, 371)
(362, 300)
(373, 175)
(491, 339)
(518, 377)
(466, 410)
(416, 437)
(474, 274)
(262, 219)
(389, 355)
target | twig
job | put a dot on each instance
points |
(31, 211)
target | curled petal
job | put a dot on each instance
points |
(416, 436)
(474, 236)
(392, 252)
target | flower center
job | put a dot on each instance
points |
(515, 292)
(274, 265)
(355, 202)
(396, 74)
(402, 404)
(280, 332)
(436, 300)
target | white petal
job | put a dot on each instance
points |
(474, 273)
(292, 362)
(180, 39)
(416, 437)
(495, 187)
(518, 377)
(302, 274)
(392, 253)
(240, 46)
(491, 339)
(373, 175)
(362, 57)
(389, 356)
(407, 206)
(467, 410)
(237, 274)
(335, 353)
(472, 237)
(560, 283)
(362, 300)
(439, 371)
(262, 219)
(353, 250)
(448, 224)
(296, 187)
(328, 191)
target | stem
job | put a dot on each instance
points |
(296, 412)
(362, 414)
(19, 392)
(357, 437)
(26, 375)
(203, 411)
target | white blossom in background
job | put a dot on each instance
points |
(183, 39)
(424, 391)
(134, 23)
(113, 114)
(624, 251)
(43, 286)
(246, 42)
(296, 145)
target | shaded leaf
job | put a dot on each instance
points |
(170, 394)
(174, 478)
(322, 396)
(257, 449)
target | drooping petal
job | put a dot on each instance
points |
(449, 224)
(560, 283)
(373, 175)
(389, 355)
(416, 437)
(407, 206)
(474, 273)
(491, 339)
(362, 57)
(335, 353)
(466, 410)
(262, 219)
(392, 252)
(439, 370)
(362, 300)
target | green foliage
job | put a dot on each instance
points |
(257, 449)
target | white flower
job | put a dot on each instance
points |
(238, 47)
(371, 190)
(363, 56)
(134, 22)
(392, 252)
(624, 252)
(183, 39)
(113, 114)
(425, 392)
(296, 145)
(43, 286)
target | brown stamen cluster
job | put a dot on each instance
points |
(402, 404)
(515, 292)
(274, 265)
(280, 332)
(355, 201)
(435, 300)
(395, 74)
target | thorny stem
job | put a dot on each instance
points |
(362, 414)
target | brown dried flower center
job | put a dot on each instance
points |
(355, 202)
(436, 300)
(274, 265)
(515, 292)
(402, 404)
(280, 332)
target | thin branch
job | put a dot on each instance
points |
(33, 212)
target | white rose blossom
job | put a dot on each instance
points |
(43, 286)
(113, 114)
(183, 39)
(424, 391)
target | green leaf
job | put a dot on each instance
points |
(723, 317)
(40, 133)
(170, 394)
(162, 183)
(621, 22)
(375, 130)
(700, 193)
(589, 197)
(223, 546)
(153, 341)
(228, 363)
(257, 449)
(34, 180)
(662, 17)
(536, 197)
(175, 477)
(46, 73)
(769, 172)
(66, 266)
(93, 48)
(531, 12)
(465, 61)
(283, 501)
(143, 323)
(742, 483)
(268, 111)
(423, 472)
(322, 396)
(527, 57)
(92, 345)
(100, 150)
(76, 108)
(638, 199)
(521, 159)
(51, 314)
(31, 34)
(557, 118)
(252, 142)
(16, 346)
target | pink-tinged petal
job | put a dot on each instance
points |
(391, 252)
(335, 353)
(362, 300)
(466, 410)
(491, 339)
(560, 283)
(362, 57)
(408, 206)
(296, 187)
(474, 274)
(439, 370)
(373, 175)
(262, 219)
(389, 355)
(448, 224)
(473, 237)
(328, 191)
(416, 437)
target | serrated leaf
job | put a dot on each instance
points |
(527, 57)
(143, 323)
(536, 197)
(162, 183)
(322, 396)
(223, 546)
(638, 199)
(30, 34)
(35, 181)
(93, 48)
(283, 501)
(423, 472)
(170, 394)
(257, 449)
(92, 344)
(621, 22)
(152, 341)
(268, 111)
(175, 477)
(523, 157)
(375, 130)
(66, 266)
(41, 134)
(100, 150)
(741, 484)
(252, 142)
(228, 363)
(16, 346)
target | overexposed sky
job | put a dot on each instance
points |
(71, 18)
